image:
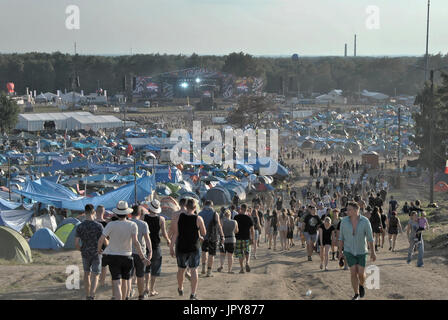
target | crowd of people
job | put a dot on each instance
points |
(346, 216)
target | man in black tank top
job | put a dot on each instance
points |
(188, 248)
(156, 224)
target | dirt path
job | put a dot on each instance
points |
(274, 276)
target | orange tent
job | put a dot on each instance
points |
(441, 186)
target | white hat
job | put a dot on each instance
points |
(122, 208)
(154, 206)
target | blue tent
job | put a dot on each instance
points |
(45, 239)
(219, 196)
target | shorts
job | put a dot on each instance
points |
(120, 267)
(376, 228)
(138, 266)
(257, 234)
(92, 264)
(290, 234)
(155, 268)
(210, 247)
(227, 248)
(190, 259)
(310, 237)
(355, 260)
(283, 228)
(104, 261)
(242, 248)
(273, 231)
(393, 230)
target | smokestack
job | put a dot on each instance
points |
(345, 51)
(355, 45)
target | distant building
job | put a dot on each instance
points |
(374, 96)
(334, 96)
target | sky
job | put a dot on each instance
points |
(219, 27)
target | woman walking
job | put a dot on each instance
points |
(257, 227)
(393, 226)
(273, 225)
(229, 227)
(283, 228)
(375, 221)
(290, 233)
(326, 234)
(415, 239)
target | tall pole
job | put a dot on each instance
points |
(427, 43)
(431, 159)
(135, 180)
(9, 178)
(399, 138)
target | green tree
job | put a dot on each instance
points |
(439, 103)
(251, 110)
(241, 65)
(9, 113)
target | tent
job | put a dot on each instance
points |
(45, 239)
(14, 246)
(169, 206)
(219, 196)
(70, 242)
(67, 221)
(163, 190)
(15, 219)
(64, 232)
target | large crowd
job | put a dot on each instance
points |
(341, 215)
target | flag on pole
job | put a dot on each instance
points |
(169, 172)
(38, 146)
(446, 167)
(129, 150)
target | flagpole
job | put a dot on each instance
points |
(135, 180)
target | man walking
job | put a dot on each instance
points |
(122, 234)
(156, 224)
(213, 226)
(355, 229)
(187, 227)
(145, 241)
(310, 226)
(89, 231)
(244, 238)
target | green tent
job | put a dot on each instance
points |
(14, 246)
(64, 231)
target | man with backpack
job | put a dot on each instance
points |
(213, 227)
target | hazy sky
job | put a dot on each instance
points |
(259, 27)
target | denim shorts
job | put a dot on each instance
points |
(92, 264)
(190, 259)
(155, 268)
(310, 237)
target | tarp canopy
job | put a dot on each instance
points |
(15, 219)
(145, 186)
(14, 246)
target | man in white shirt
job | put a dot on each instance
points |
(122, 235)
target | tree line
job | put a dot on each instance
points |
(52, 71)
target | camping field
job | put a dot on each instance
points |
(275, 275)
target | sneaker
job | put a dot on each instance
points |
(356, 297)
(247, 268)
(321, 266)
(309, 258)
(180, 292)
(209, 274)
(219, 269)
(193, 297)
(362, 291)
(242, 271)
(390, 248)
(408, 261)
(303, 246)
(142, 297)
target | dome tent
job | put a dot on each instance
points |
(45, 239)
(69, 220)
(219, 196)
(14, 246)
(64, 232)
(70, 242)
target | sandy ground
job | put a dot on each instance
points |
(275, 275)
